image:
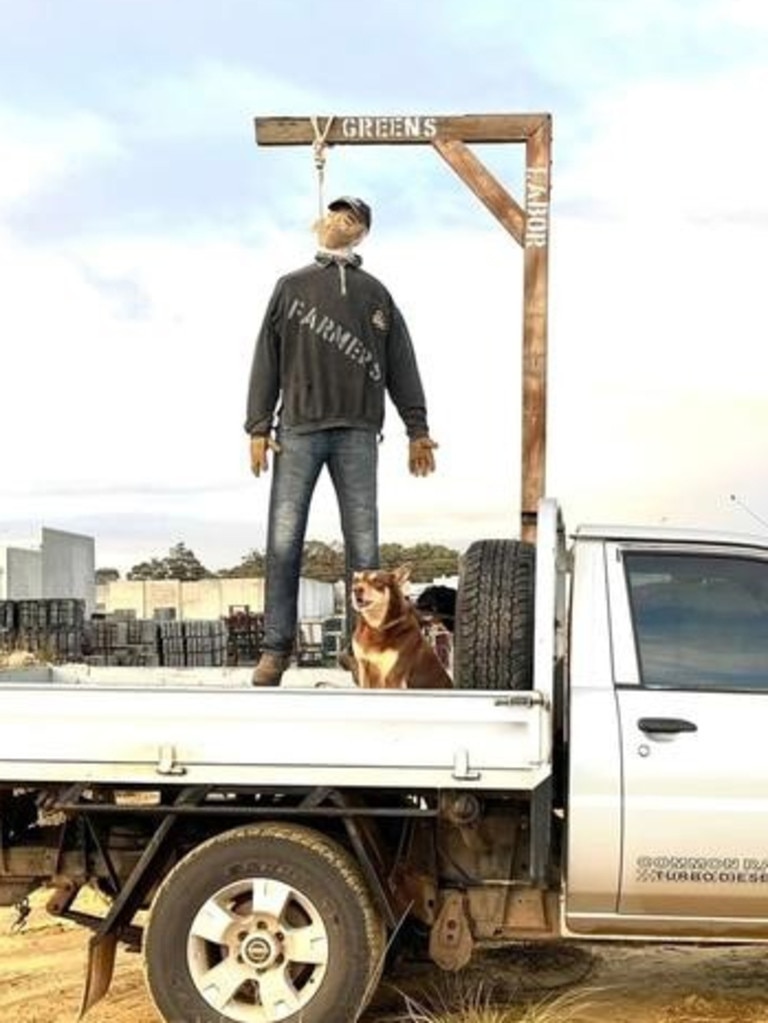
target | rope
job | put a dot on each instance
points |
(318, 149)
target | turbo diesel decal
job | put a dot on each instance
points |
(702, 869)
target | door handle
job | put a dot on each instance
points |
(666, 726)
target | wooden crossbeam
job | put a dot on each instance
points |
(415, 129)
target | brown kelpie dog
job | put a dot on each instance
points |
(390, 649)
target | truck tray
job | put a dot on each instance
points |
(155, 726)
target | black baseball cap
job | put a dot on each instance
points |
(360, 208)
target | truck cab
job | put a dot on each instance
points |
(667, 710)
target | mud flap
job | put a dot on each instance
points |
(101, 965)
(103, 945)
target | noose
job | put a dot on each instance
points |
(318, 151)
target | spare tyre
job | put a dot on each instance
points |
(493, 642)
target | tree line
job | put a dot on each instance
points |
(322, 561)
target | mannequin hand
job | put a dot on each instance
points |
(260, 446)
(421, 461)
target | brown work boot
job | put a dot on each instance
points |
(270, 668)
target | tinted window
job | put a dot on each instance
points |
(700, 621)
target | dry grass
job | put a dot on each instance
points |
(460, 1003)
(18, 658)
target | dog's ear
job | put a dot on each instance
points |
(403, 574)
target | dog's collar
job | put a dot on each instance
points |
(393, 623)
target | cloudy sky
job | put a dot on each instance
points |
(141, 232)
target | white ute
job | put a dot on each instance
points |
(597, 772)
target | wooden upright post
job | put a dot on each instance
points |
(535, 292)
(528, 225)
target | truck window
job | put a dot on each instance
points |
(700, 621)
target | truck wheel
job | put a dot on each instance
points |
(266, 923)
(494, 616)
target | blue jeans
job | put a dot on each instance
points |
(352, 458)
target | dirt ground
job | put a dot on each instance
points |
(41, 970)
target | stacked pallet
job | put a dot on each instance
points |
(192, 644)
(245, 635)
(334, 640)
(206, 644)
(122, 642)
(7, 625)
(151, 642)
(56, 631)
(172, 646)
(51, 629)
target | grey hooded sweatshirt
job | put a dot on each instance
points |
(332, 343)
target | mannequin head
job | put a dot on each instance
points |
(344, 225)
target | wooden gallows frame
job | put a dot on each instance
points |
(528, 224)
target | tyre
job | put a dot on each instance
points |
(268, 922)
(494, 616)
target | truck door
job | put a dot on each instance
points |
(690, 633)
